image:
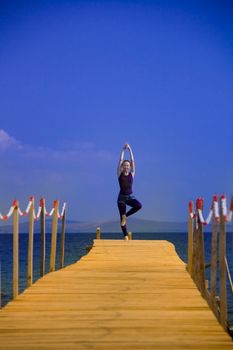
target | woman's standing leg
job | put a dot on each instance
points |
(122, 211)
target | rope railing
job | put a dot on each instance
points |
(27, 210)
(41, 213)
(219, 215)
(227, 214)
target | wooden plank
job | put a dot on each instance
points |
(122, 295)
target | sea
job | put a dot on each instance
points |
(75, 248)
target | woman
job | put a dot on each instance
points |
(125, 172)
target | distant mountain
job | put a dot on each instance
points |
(141, 225)
(134, 225)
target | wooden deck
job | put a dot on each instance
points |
(121, 295)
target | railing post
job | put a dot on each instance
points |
(54, 237)
(214, 258)
(201, 255)
(98, 233)
(130, 236)
(30, 243)
(194, 253)
(222, 271)
(190, 239)
(62, 246)
(42, 237)
(0, 285)
(15, 250)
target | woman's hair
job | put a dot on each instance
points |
(126, 160)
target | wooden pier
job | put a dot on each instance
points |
(122, 295)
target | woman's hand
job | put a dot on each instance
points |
(127, 146)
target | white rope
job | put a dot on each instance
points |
(216, 209)
(51, 212)
(36, 216)
(21, 213)
(201, 216)
(24, 213)
(28, 207)
(58, 214)
(8, 215)
(10, 212)
(228, 273)
(224, 206)
(229, 216)
(38, 213)
(63, 209)
(3, 217)
(46, 213)
(209, 217)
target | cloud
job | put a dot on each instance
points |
(73, 152)
(8, 142)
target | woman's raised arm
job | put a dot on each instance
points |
(132, 164)
(120, 161)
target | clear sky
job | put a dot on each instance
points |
(80, 78)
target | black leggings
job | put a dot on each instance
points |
(130, 200)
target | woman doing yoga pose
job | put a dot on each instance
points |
(125, 172)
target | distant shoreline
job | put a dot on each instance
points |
(113, 226)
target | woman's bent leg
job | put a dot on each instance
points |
(135, 204)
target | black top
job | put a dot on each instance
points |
(125, 182)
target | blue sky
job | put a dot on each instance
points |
(80, 78)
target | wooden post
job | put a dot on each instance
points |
(231, 208)
(98, 233)
(222, 271)
(62, 246)
(202, 261)
(201, 256)
(15, 250)
(54, 237)
(42, 238)
(194, 255)
(213, 272)
(30, 243)
(0, 285)
(130, 236)
(190, 239)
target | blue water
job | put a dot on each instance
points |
(75, 248)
